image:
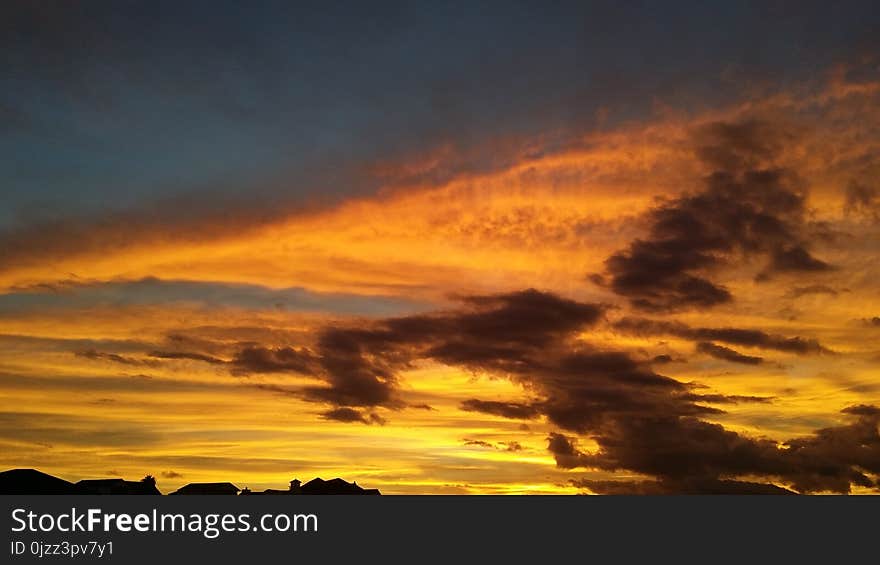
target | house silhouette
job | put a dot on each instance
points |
(334, 486)
(207, 488)
(31, 481)
(317, 486)
(116, 486)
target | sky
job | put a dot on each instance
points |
(445, 248)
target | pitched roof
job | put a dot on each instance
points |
(208, 488)
(116, 486)
(31, 481)
(333, 486)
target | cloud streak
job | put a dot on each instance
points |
(727, 354)
(736, 336)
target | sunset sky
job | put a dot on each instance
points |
(443, 248)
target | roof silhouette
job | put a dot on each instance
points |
(116, 486)
(317, 486)
(334, 486)
(31, 481)
(207, 488)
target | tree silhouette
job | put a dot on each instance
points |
(149, 480)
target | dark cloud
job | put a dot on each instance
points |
(734, 336)
(582, 388)
(358, 364)
(727, 354)
(863, 199)
(374, 418)
(796, 259)
(349, 415)
(526, 318)
(835, 458)
(747, 207)
(187, 342)
(679, 487)
(872, 322)
(564, 450)
(862, 410)
(641, 421)
(679, 451)
(187, 355)
(512, 446)
(96, 355)
(799, 291)
(279, 389)
(739, 146)
(256, 359)
(344, 415)
(512, 410)
(427, 407)
(731, 399)
(171, 475)
(478, 443)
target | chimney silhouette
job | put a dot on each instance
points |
(294, 485)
